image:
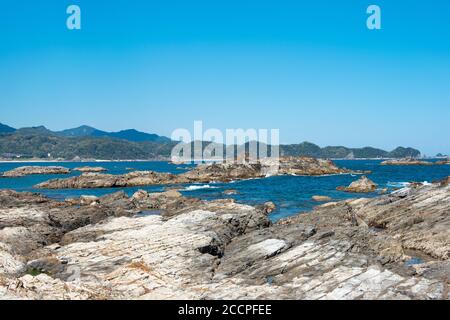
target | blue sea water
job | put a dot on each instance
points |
(291, 194)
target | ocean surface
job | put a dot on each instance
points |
(291, 194)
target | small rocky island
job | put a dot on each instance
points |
(406, 162)
(362, 185)
(446, 161)
(90, 169)
(32, 170)
(166, 246)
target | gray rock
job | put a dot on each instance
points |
(362, 185)
(225, 250)
(32, 170)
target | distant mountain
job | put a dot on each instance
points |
(6, 129)
(137, 136)
(40, 130)
(43, 145)
(312, 150)
(82, 131)
(90, 143)
(130, 134)
(401, 152)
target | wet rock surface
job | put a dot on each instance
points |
(395, 246)
(31, 170)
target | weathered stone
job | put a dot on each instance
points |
(321, 198)
(99, 180)
(90, 169)
(362, 185)
(406, 162)
(306, 166)
(31, 170)
(88, 200)
(203, 173)
(225, 250)
(441, 162)
(269, 207)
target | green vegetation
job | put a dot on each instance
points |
(34, 271)
(40, 143)
(43, 145)
(312, 150)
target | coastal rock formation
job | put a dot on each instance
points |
(446, 161)
(362, 185)
(306, 166)
(30, 170)
(321, 198)
(99, 180)
(393, 247)
(406, 162)
(203, 173)
(445, 182)
(223, 172)
(268, 207)
(90, 169)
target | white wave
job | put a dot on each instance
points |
(247, 179)
(196, 187)
(405, 184)
(398, 184)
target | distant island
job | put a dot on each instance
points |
(87, 142)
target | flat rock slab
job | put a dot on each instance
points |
(31, 170)
(90, 169)
(354, 249)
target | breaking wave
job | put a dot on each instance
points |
(196, 187)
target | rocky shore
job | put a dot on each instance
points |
(90, 169)
(406, 162)
(441, 162)
(362, 185)
(166, 246)
(203, 173)
(31, 170)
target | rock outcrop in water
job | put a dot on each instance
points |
(306, 166)
(31, 170)
(321, 198)
(362, 185)
(393, 247)
(223, 172)
(441, 162)
(203, 173)
(406, 162)
(100, 180)
(90, 169)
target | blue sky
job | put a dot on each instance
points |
(309, 68)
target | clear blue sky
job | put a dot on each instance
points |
(310, 68)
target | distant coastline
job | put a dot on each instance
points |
(78, 161)
(38, 144)
(43, 160)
